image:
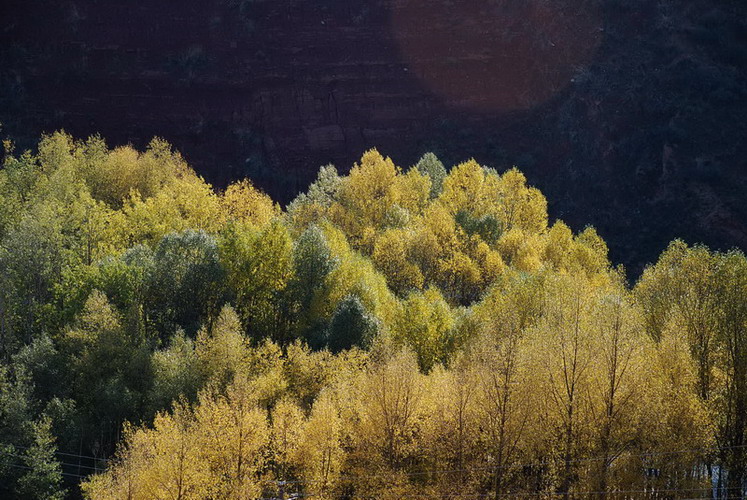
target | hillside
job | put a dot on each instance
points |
(629, 115)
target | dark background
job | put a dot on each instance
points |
(630, 115)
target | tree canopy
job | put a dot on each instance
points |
(393, 333)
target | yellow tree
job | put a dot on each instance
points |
(320, 454)
(185, 203)
(308, 372)
(590, 253)
(286, 435)
(231, 431)
(389, 416)
(242, 202)
(521, 249)
(464, 189)
(221, 351)
(683, 283)
(504, 394)
(451, 437)
(365, 196)
(679, 437)
(732, 323)
(520, 206)
(562, 354)
(412, 191)
(259, 265)
(173, 466)
(390, 255)
(460, 278)
(558, 246)
(123, 477)
(618, 386)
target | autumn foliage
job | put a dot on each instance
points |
(393, 333)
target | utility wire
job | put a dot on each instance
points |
(70, 454)
(18, 466)
(520, 465)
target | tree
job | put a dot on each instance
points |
(221, 350)
(619, 381)
(503, 393)
(309, 372)
(683, 284)
(285, 438)
(231, 432)
(562, 354)
(351, 325)
(460, 278)
(732, 326)
(109, 365)
(679, 420)
(33, 258)
(451, 437)
(463, 189)
(431, 166)
(211, 451)
(365, 197)
(390, 255)
(486, 227)
(171, 464)
(28, 465)
(425, 325)
(112, 175)
(259, 267)
(312, 206)
(244, 203)
(43, 481)
(185, 283)
(411, 191)
(320, 454)
(187, 202)
(312, 263)
(176, 373)
(520, 206)
(389, 418)
(521, 250)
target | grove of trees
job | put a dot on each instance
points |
(393, 333)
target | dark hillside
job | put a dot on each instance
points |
(629, 114)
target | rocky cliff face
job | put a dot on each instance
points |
(630, 115)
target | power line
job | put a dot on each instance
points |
(519, 465)
(18, 466)
(67, 464)
(449, 471)
(70, 454)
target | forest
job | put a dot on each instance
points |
(421, 332)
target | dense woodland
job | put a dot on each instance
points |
(393, 333)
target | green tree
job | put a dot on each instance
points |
(312, 263)
(176, 373)
(185, 283)
(430, 165)
(43, 481)
(110, 369)
(28, 466)
(426, 325)
(351, 325)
